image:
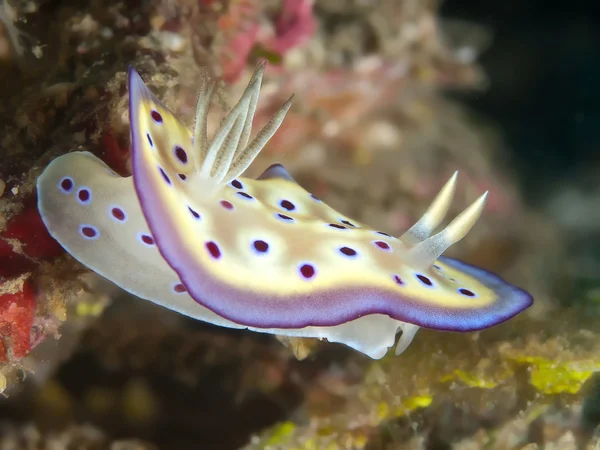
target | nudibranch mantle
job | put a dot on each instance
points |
(188, 232)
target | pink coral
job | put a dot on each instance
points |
(16, 318)
(23, 245)
(294, 26)
(241, 31)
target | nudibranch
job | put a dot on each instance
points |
(188, 232)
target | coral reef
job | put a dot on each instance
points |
(500, 391)
(372, 134)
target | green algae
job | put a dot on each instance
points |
(469, 379)
(280, 433)
(551, 377)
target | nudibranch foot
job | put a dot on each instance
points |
(94, 214)
(408, 333)
(188, 232)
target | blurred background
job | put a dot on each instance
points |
(543, 95)
(391, 97)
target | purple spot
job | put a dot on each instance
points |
(284, 217)
(146, 239)
(118, 214)
(213, 249)
(338, 226)
(227, 205)
(180, 154)
(84, 196)
(437, 267)
(307, 271)
(149, 140)
(245, 195)
(237, 184)
(89, 232)
(182, 176)
(156, 116)
(348, 251)
(194, 213)
(315, 198)
(466, 292)
(66, 185)
(286, 204)
(382, 233)
(382, 245)
(423, 279)
(179, 288)
(260, 246)
(398, 280)
(164, 175)
(350, 224)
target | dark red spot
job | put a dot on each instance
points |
(28, 228)
(148, 240)
(83, 195)
(164, 175)
(286, 204)
(245, 195)
(338, 226)
(116, 152)
(237, 184)
(350, 224)
(88, 232)
(466, 292)
(182, 176)
(13, 264)
(398, 280)
(194, 213)
(425, 280)
(118, 214)
(382, 245)
(227, 205)
(213, 249)
(149, 140)
(156, 116)
(181, 154)
(261, 246)
(348, 251)
(179, 288)
(66, 184)
(383, 234)
(284, 217)
(307, 270)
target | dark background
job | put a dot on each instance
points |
(544, 68)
